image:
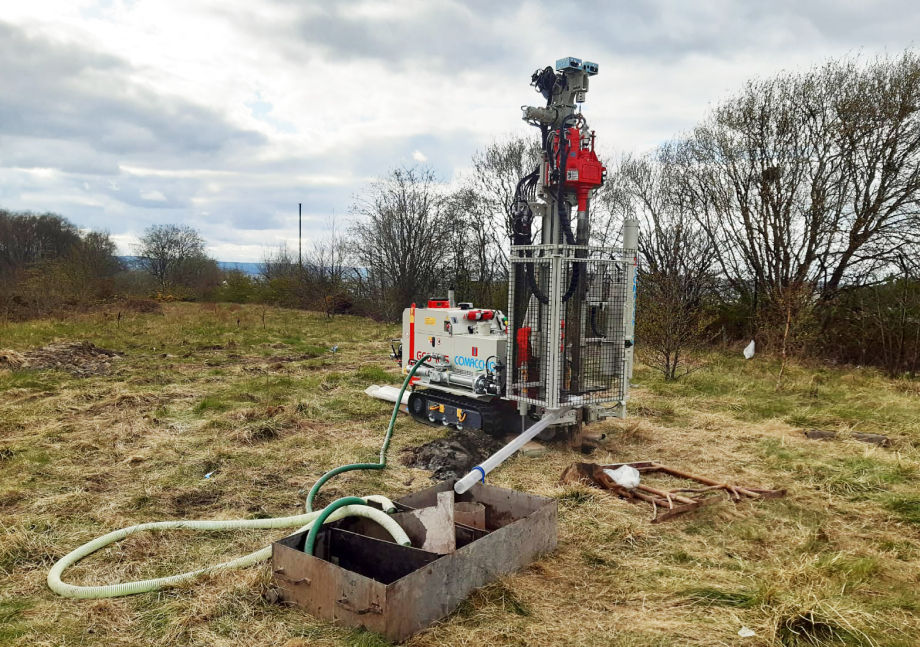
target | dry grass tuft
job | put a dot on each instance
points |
(823, 624)
(10, 359)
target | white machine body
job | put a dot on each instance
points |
(468, 346)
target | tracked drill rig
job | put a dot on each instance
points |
(562, 356)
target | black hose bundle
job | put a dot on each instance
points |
(521, 213)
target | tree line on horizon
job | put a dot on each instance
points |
(790, 214)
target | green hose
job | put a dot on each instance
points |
(382, 463)
(330, 510)
(321, 519)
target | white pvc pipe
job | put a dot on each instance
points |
(479, 472)
(630, 244)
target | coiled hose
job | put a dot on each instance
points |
(144, 586)
(347, 507)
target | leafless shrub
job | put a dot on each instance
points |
(400, 236)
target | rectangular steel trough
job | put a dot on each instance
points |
(359, 579)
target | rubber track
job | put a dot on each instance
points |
(491, 412)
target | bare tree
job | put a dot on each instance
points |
(281, 279)
(677, 259)
(27, 238)
(474, 263)
(276, 263)
(326, 269)
(89, 266)
(497, 170)
(753, 189)
(462, 269)
(47, 263)
(879, 324)
(612, 204)
(806, 182)
(400, 238)
(878, 109)
(174, 255)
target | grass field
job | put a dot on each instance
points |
(266, 408)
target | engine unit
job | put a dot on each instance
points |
(466, 368)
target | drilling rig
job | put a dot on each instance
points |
(562, 357)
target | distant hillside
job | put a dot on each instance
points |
(252, 269)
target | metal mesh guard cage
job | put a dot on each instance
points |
(566, 308)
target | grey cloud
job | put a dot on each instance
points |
(66, 155)
(443, 35)
(227, 211)
(50, 90)
(485, 33)
(671, 30)
(445, 152)
(148, 192)
(507, 37)
(253, 219)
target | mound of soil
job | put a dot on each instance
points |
(453, 456)
(80, 358)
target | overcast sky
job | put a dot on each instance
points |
(224, 115)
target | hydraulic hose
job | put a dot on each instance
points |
(382, 462)
(346, 507)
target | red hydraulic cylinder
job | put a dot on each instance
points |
(583, 170)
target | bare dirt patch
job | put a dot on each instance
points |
(192, 500)
(80, 358)
(452, 456)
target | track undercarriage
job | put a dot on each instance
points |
(437, 407)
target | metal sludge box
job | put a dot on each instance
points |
(356, 578)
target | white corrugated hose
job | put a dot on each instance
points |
(144, 586)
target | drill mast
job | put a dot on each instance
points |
(571, 303)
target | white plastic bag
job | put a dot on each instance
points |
(625, 476)
(749, 350)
